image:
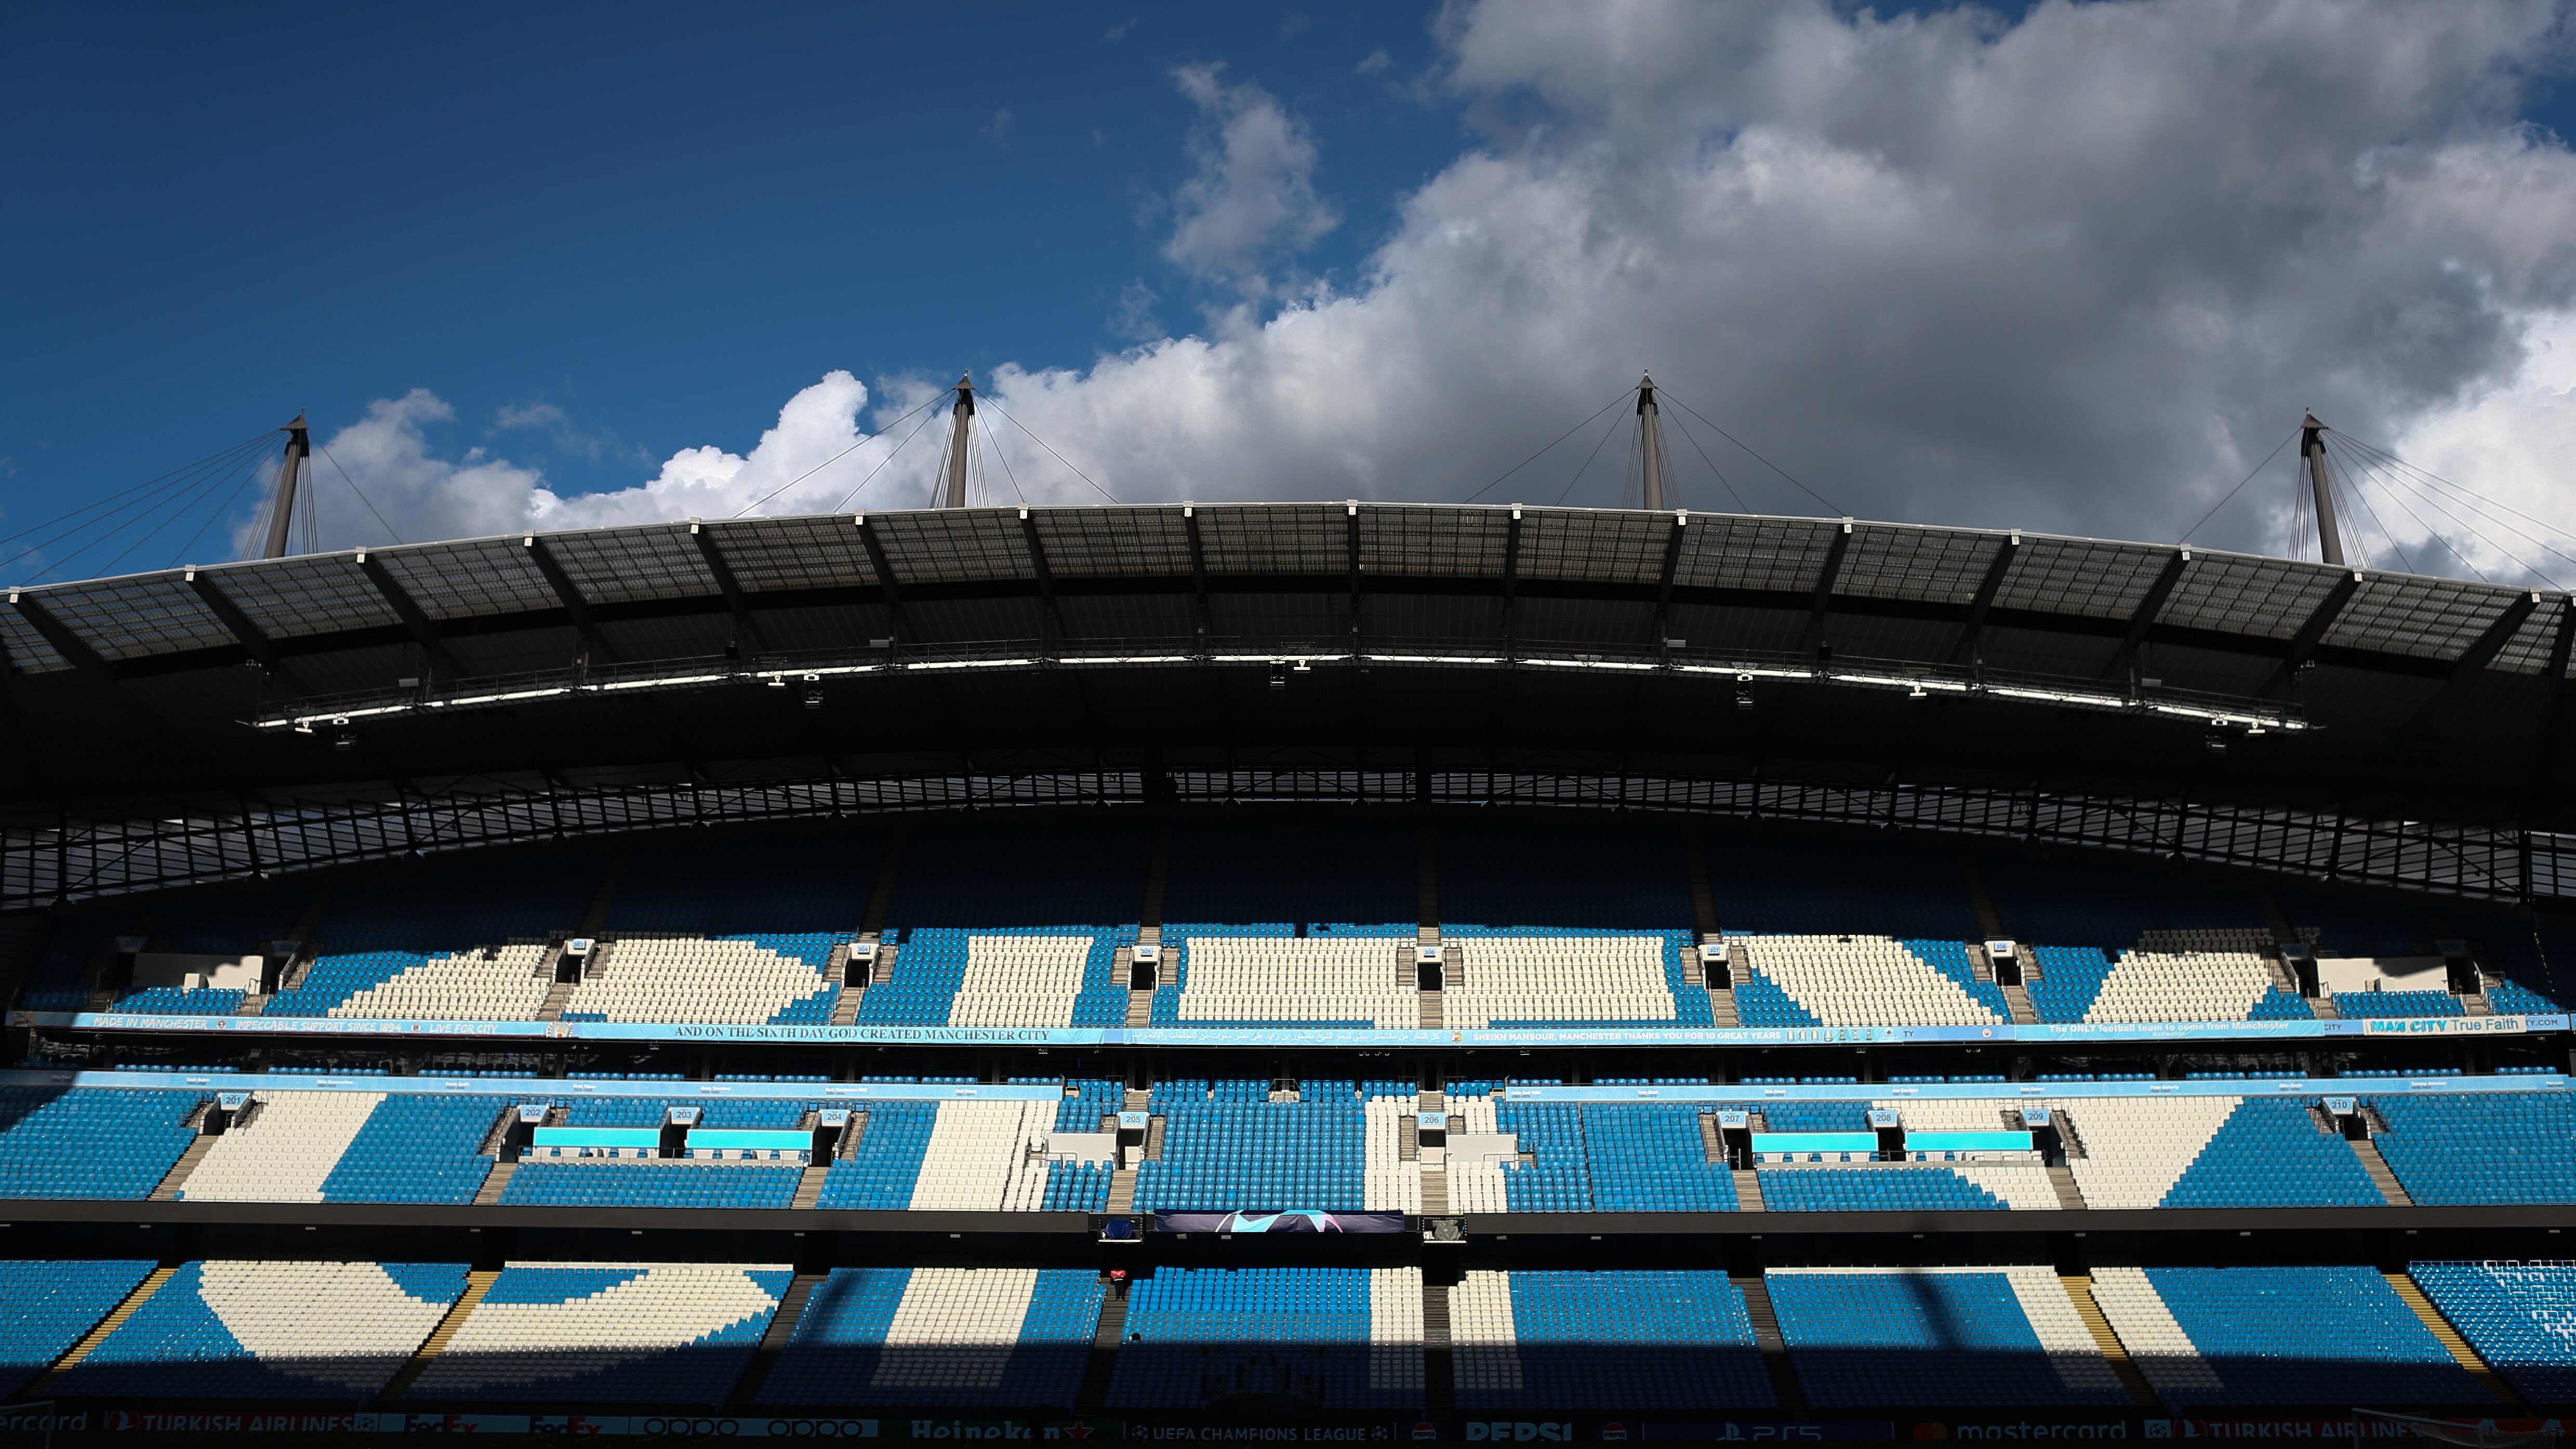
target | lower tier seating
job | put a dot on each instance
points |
(983, 1337)
(2517, 1316)
(1679, 1339)
(2300, 1335)
(1872, 1337)
(1343, 1338)
(45, 1308)
(234, 1330)
(638, 1333)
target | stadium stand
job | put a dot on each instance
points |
(1257, 976)
(2102, 984)
(2454, 1151)
(1339, 1338)
(770, 978)
(2211, 1152)
(428, 937)
(46, 1307)
(2320, 1335)
(221, 1329)
(651, 1184)
(965, 1337)
(1012, 927)
(1566, 925)
(91, 1144)
(640, 1333)
(1223, 1155)
(1861, 981)
(1672, 1339)
(2515, 1315)
(971, 1156)
(1872, 1337)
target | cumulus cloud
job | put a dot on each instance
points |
(1252, 194)
(2074, 272)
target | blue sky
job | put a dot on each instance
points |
(603, 236)
(662, 220)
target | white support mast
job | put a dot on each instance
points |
(962, 422)
(2312, 446)
(281, 512)
(1651, 436)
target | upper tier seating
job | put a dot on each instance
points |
(2064, 901)
(1013, 925)
(1284, 875)
(1336, 1338)
(1223, 1155)
(1778, 883)
(73, 939)
(759, 978)
(233, 1330)
(2340, 923)
(1562, 876)
(494, 983)
(963, 1156)
(2516, 1315)
(1673, 1339)
(2323, 1336)
(234, 924)
(640, 1333)
(1861, 981)
(673, 1184)
(2211, 1152)
(91, 1144)
(2525, 954)
(1889, 1337)
(967, 1337)
(1532, 976)
(2503, 1147)
(285, 1151)
(2098, 984)
(1255, 976)
(790, 883)
(439, 920)
(45, 1308)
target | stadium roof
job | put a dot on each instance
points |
(1438, 637)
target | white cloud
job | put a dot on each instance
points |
(2076, 272)
(1252, 195)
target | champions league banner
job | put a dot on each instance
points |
(1280, 1222)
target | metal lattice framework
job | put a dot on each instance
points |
(88, 860)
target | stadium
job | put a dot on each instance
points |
(1332, 971)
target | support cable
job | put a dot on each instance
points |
(1662, 391)
(214, 457)
(2363, 497)
(1561, 437)
(986, 400)
(926, 415)
(135, 508)
(2475, 501)
(1587, 461)
(2440, 505)
(1712, 466)
(2435, 535)
(2239, 488)
(175, 514)
(362, 498)
(995, 443)
(932, 401)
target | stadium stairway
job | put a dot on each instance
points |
(177, 1177)
(2376, 1165)
(2079, 1291)
(477, 1283)
(90, 1341)
(1439, 1374)
(773, 1341)
(1767, 1338)
(2450, 1339)
(1103, 1362)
